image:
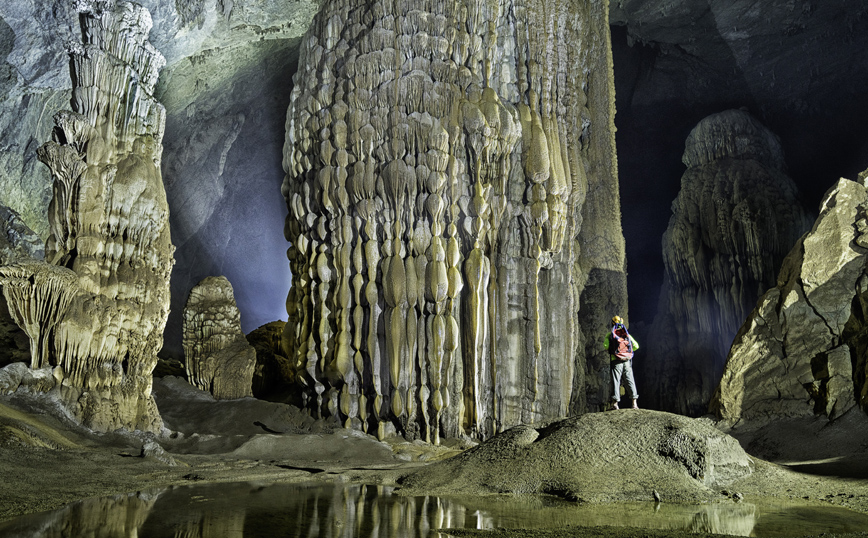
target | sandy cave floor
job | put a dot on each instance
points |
(46, 463)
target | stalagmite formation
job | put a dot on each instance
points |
(217, 356)
(802, 351)
(452, 202)
(734, 220)
(95, 311)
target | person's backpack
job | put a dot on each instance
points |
(621, 346)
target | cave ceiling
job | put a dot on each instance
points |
(798, 66)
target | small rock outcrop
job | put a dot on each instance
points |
(803, 351)
(273, 372)
(735, 218)
(453, 214)
(95, 309)
(218, 357)
(17, 240)
(619, 455)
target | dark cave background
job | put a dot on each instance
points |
(803, 79)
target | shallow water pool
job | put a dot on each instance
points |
(342, 510)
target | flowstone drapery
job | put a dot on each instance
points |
(453, 213)
(96, 309)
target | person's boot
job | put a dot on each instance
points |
(635, 405)
(615, 406)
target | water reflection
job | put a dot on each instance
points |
(339, 510)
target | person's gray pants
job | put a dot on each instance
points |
(623, 369)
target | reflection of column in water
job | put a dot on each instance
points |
(734, 519)
(212, 522)
(121, 515)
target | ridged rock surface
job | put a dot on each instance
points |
(218, 358)
(456, 242)
(613, 456)
(95, 310)
(802, 351)
(735, 218)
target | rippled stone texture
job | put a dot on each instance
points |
(613, 456)
(218, 358)
(802, 351)
(96, 308)
(735, 218)
(454, 216)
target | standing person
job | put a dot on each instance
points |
(621, 346)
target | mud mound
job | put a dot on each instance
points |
(620, 455)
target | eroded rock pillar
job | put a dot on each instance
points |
(109, 254)
(218, 358)
(735, 218)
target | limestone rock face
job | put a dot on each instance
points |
(17, 240)
(218, 358)
(620, 455)
(453, 214)
(735, 218)
(802, 351)
(96, 308)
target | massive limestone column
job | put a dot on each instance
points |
(803, 351)
(96, 308)
(452, 201)
(735, 218)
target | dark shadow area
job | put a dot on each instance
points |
(855, 467)
(797, 77)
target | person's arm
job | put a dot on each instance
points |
(606, 342)
(635, 343)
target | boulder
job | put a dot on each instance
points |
(598, 457)
(802, 351)
(273, 373)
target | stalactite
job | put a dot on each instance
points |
(420, 137)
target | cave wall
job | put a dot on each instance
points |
(797, 66)
(456, 243)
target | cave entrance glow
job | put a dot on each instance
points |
(338, 510)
